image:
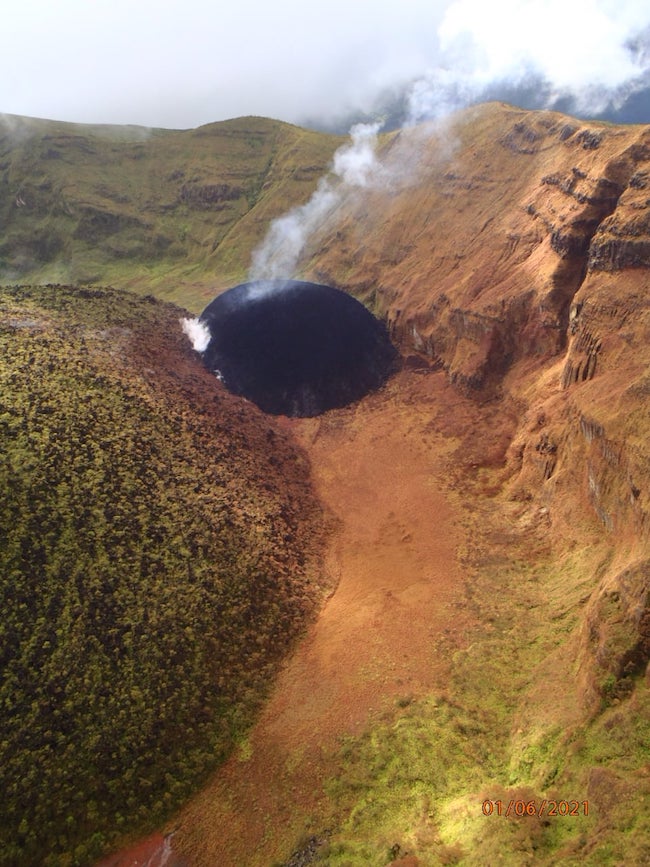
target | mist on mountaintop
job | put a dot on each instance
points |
(590, 59)
(322, 64)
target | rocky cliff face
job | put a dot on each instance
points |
(476, 253)
(512, 248)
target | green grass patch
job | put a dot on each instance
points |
(509, 731)
(176, 213)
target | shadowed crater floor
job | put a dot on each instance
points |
(296, 348)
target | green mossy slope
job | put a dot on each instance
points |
(156, 562)
(128, 206)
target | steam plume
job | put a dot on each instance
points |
(354, 166)
(198, 333)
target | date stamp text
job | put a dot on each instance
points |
(540, 808)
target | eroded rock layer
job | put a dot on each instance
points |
(474, 253)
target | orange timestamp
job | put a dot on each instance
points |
(534, 807)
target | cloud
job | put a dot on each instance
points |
(167, 63)
(583, 49)
(173, 64)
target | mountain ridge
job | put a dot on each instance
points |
(142, 211)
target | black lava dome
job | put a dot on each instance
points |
(296, 348)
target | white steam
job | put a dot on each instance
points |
(574, 45)
(354, 166)
(198, 333)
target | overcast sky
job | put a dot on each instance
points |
(182, 63)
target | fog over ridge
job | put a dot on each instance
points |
(163, 64)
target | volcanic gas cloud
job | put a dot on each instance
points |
(295, 348)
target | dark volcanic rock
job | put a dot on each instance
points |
(616, 254)
(296, 348)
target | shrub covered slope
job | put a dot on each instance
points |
(158, 541)
(130, 206)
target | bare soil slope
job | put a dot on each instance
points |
(386, 634)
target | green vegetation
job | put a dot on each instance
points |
(507, 731)
(155, 565)
(149, 210)
(399, 777)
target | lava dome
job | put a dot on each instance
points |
(295, 348)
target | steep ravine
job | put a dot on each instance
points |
(485, 611)
(547, 487)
